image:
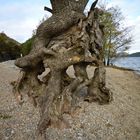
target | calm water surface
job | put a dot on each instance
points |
(128, 62)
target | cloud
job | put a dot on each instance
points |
(136, 33)
(19, 30)
(19, 19)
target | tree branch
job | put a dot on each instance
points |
(93, 5)
(48, 9)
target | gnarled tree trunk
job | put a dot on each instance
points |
(67, 38)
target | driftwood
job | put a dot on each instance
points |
(67, 38)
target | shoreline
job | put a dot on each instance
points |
(124, 68)
(128, 63)
(135, 72)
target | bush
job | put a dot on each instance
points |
(27, 46)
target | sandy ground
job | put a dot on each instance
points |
(120, 120)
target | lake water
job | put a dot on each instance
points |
(128, 62)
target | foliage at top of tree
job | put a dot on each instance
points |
(118, 37)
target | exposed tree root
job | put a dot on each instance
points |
(78, 44)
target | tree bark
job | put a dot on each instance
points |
(97, 88)
(73, 40)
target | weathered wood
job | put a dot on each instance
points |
(75, 5)
(65, 39)
(97, 89)
(66, 13)
(48, 9)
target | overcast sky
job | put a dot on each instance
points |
(19, 18)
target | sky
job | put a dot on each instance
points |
(19, 18)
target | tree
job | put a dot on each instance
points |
(67, 38)
(118, 38)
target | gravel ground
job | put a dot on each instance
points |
(16, 122)
(120, 120)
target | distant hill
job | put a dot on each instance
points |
(122, 54)
(9, 48)
(137, 54)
